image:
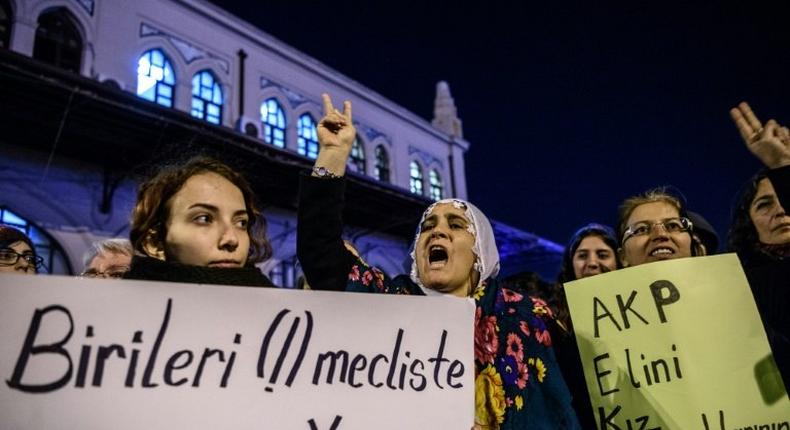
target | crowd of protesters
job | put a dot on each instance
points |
(199, 222)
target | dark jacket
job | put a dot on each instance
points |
(769, 278)
(152, 269)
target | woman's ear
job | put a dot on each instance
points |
(153, 246)
(621, 254)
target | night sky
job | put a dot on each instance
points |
(569, 108)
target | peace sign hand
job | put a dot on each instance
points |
(771, 144)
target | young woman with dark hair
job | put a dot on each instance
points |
(591, 251)
(198, 222)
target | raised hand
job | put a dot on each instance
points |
(336, 134)
(769, 143)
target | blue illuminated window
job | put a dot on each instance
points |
(206, 97)
(382, 168)
(357, 159)
(55, 261)
(273, 120)
(307, 142)
(415, 178)
(437, 190)
(155, 78)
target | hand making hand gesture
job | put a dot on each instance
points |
(336, 134)
(769, 143)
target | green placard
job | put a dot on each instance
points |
(677, 345)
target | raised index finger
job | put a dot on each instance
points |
(328, 108)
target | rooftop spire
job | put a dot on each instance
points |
(445, 116)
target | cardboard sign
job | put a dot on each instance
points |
(677, 345)
(100, 354)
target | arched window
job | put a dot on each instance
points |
(58, 40)
(357, 159)
(155, 77)
(55, 261)
(206, 97)
(437, 190)
(5, 24)
(415, 178)
(273, 120)
(307, 142)
(382, 169)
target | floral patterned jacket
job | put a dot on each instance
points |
(518, 384)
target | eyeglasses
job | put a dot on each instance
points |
(115, 272)
(671, 225)
(9, 257)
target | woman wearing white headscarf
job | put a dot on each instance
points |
(518, 383)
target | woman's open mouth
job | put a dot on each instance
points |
(437, 257)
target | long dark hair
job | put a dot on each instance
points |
(742, 237)
(567, 274)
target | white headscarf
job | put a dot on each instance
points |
(484, 248)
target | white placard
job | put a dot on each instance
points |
(105, 354)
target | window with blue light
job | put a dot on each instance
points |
(206, 97)
(273, 120)
(382, 167)
(415, 178)
(55, 261)
(357, 159)
(155, 78)
(437, 190)
(307, 141)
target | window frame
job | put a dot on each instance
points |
(46, 40)
(381, 167)
(159, 83)
(358, 160)
(435, 183)
(270, 129)
(416, 183)
(307, 141)
(207, 103)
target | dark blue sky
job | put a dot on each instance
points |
(569, 108)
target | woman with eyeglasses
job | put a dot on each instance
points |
(17, 253)
(653, 226)
(760, 230)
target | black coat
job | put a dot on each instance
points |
(770, 282)
(152, 269)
